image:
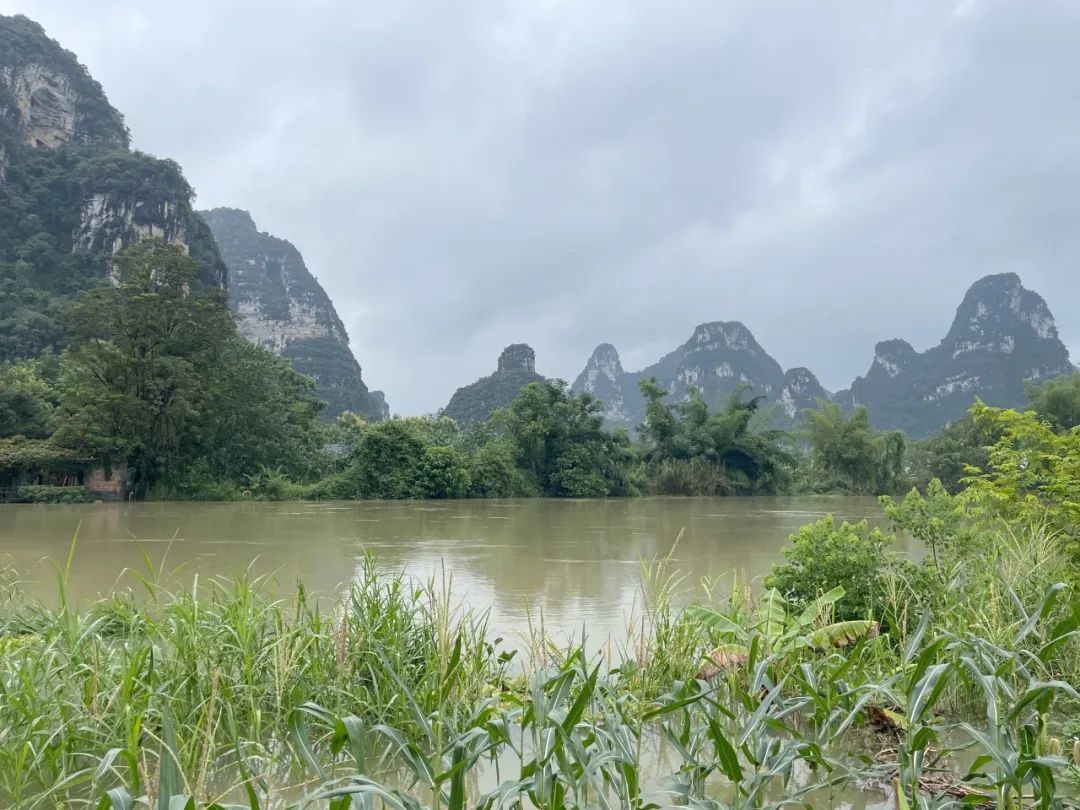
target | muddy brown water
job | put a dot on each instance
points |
(575, 563)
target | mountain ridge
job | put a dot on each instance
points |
(1001, 335)
(476, 401)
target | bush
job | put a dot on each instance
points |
(824, 555)
(442, 473)
(47, 494)
(494, 473)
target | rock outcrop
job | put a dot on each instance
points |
(719, 358)
(46, 97)
(1002, 335)
(282, 307)
(74, 193)
(477, 401)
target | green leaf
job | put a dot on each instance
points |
(170, 783)
(811, 614)
(716, 621)
(926, 692)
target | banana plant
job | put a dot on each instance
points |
(781, 632)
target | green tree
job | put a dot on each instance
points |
(1057, 401)
(27, 398)
(1032, 476)
(255, 413)
(690, 450)
(561, 444)
(847, 453)
(948, 455)
(416, 457)
(134, 375)
(823, 555)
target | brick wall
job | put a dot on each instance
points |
(108, 483)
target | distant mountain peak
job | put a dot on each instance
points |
(476, 402)
(799, 391)
(50, 95)
(717, 359)
(603, 377)
(1002, 334)
(894, 357)
(732, 334)
(603, 363)
(517, 357)
(998, 306)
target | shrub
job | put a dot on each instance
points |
(47, 494)
(823, 555)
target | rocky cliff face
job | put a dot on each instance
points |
(477, 401)
(1002, 335)
(718, 359)
(47, 98)
(282, 307)
(71, 192)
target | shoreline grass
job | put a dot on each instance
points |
(394, 696)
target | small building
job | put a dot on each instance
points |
(37, 469)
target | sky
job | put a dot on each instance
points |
(461, 176)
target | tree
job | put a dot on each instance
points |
(1057, 401)
(27, 398)
(1032, 475)
(823, 555)
(256, 413)
(134, 375)
(846, 452)
(690, 450)
(948, 455)
(561, 445)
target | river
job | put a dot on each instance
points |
(576, 563)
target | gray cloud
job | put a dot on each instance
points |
(465, 175)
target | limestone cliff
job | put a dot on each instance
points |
(477, 401)
(282, 307)
(719, 358)
(71, 191)
(1002, 335)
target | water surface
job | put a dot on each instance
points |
(576, 563)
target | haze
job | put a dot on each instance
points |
(460, 176)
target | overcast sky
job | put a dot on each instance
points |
(463, 175)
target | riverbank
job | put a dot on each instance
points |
(397, 693)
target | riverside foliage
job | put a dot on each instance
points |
(154, 377)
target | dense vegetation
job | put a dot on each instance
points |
(46, 258)
(153, 378)
(950, 682)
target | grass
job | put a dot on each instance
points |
(391, 697)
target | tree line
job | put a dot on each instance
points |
(156, 377)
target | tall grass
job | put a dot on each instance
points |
(84, 693)
(391, 696)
